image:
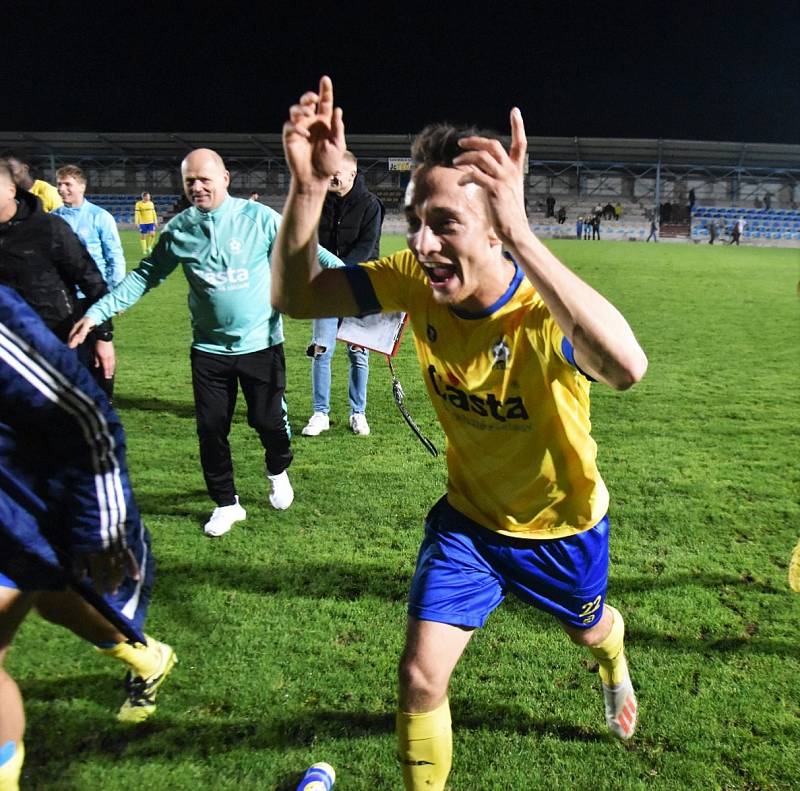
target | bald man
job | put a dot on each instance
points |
(223, 245)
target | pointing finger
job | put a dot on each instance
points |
(519, 142)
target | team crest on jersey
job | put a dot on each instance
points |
(235, 245)
(500, 354)
(431, 333)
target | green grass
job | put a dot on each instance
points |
(288, 628)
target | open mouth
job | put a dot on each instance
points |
(439, 274)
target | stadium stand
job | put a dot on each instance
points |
(762, 226)
(578, 172)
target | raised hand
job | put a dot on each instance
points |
(313, 137)
(500, 174)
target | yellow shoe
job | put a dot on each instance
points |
(141, 702)
(794, 569)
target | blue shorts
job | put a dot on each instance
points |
(7, 582)
(464, 571)
(147, 227)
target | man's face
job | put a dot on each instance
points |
(8, 194)
(450, 234)
(145, 196)
(342, 180)
(205, 181)
(19, 171)
(71, 190)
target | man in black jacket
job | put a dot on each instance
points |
(350, 227)
(44, 262)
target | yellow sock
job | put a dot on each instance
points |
(426, 747)
(143, 660)
(12, 769)
(143, 242)
(794, 569)
(611, 652)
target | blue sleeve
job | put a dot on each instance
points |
(569, 354)
(49, 398)
(112, 249)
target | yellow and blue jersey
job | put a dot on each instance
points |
(144, 213)
(514, 407)
(47, 194)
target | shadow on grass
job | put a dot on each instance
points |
(620, 583)
(300, 577)
(191, 503)
(149, 404)
(62, 742)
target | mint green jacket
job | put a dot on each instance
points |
(225, 258)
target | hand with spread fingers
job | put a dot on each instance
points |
(501, 176)
(313, 137)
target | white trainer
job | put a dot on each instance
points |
(223, 518)
(358, 422)
(282, 494)
(317, 423)
(621, 708)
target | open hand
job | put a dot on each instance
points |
(79, 332)
(500, 174)
(313, 137)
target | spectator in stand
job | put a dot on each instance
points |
(608, 211)
(596, 227)
(254, 196)
(692, 200)
(551, 206)
(144, 215)
(21, 173)
(579, 228)
(767, 200)
(757, 202)
(736, 231)
(618, 211)
(562, 215)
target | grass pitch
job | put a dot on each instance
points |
(288, 628)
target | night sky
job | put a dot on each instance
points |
(700, 71)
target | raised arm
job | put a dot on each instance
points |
(604, 344)
(313, 141)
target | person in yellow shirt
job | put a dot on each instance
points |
(21, 173)
(145, 217)
(509, 341)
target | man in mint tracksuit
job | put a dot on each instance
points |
(223, 244)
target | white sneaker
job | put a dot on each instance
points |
(317, 423)
(621, 709)
(358, 422)
(223, 517)
(282, 494)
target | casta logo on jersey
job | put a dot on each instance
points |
(235, 245)
(488, 405)
(230, 278)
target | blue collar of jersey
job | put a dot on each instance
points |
(509, 292)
